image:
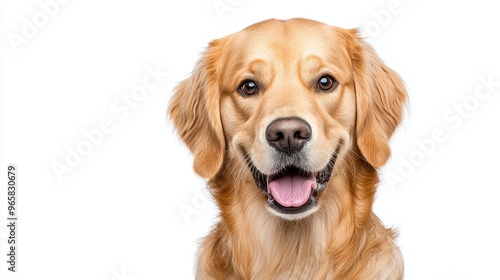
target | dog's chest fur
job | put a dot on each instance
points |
(306, 242)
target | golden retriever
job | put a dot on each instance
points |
(289, 120)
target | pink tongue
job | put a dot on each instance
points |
(292, 190)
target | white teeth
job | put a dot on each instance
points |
(320, 187)
(267, 185)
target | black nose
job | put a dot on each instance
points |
(288, 135)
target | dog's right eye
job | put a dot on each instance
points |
(248, 88)
(327, 84)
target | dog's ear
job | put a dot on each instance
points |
(195, 112)
(380, 100)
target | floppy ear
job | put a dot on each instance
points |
(195, 112)
(380, 98)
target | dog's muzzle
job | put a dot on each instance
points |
(292, 189)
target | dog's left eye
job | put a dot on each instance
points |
(327, 84)
(248, 88)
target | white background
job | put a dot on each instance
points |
(117, 214)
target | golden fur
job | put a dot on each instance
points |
(342, 239)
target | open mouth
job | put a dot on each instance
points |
(293, 190)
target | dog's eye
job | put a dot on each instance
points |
(248, 88)
(327, 84)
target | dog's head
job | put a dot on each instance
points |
(284, 103)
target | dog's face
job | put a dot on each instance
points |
(288, 109)
(285, 103)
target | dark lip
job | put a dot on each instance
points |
(322, 178)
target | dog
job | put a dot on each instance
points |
(289, 120)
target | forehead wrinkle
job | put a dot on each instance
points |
(245, 61)
(309, 68)
(312, 67)
(260, 70)
(326, 47)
